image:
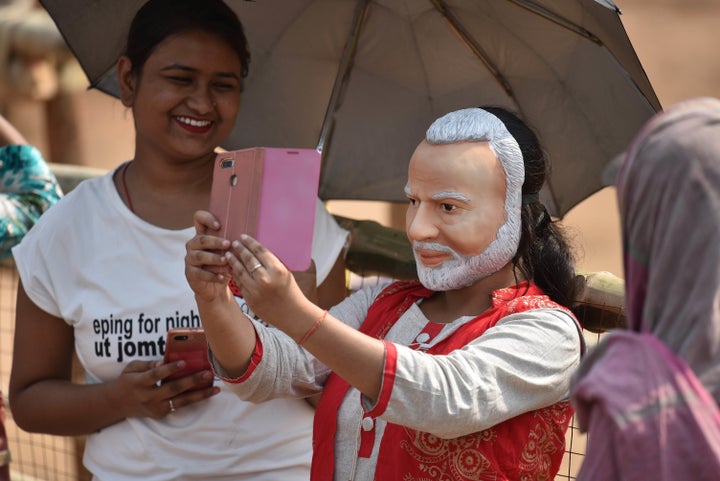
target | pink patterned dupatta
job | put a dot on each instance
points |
(669, 200)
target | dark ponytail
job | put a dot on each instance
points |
(544, 254)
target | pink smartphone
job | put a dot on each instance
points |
(190, 345)
(271, 195)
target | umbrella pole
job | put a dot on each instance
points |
(473, 46)
(343, 71)
(557, 19)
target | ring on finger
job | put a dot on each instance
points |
(172, 406)
(255, 267)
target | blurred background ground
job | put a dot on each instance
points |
(676, 41)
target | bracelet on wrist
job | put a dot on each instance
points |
(314, 328)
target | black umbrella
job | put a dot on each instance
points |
(362, 79)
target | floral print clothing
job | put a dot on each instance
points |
(27, 189)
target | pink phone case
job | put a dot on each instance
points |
(190, 345)
(271, 195)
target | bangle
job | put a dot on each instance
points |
(313, 328)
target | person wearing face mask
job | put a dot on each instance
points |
(463, 374)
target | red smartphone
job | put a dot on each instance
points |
(190, 345)
(271, 195)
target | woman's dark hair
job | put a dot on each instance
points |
(544, 253)
(158, 19)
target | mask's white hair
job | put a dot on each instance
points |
(478, 125)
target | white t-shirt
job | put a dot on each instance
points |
(120, 283)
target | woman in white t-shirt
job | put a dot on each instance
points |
(102, 275)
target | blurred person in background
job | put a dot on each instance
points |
(27, 187)
(648, 396)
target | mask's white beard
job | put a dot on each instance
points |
(463, 271)
(451, 274)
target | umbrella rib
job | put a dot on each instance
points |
(558, 19)
(473, 46)
(343, 70)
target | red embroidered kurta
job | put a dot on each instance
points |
(527, 447)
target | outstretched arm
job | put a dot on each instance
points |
(272, 293)
(229, 332)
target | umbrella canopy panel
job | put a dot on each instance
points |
(362, 80)
(412, 62)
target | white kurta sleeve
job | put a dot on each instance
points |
(523, 363)
(285, 369)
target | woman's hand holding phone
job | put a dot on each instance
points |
(189, 345)
(137, 394)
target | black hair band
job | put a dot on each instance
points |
(543, 222)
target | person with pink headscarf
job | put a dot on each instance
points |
(648, 396)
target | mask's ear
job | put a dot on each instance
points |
(126, 80)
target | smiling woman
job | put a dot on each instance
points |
(103, 274)
(182, 109)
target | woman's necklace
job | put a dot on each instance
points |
(124, 184)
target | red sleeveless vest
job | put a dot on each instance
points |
(527, 447)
